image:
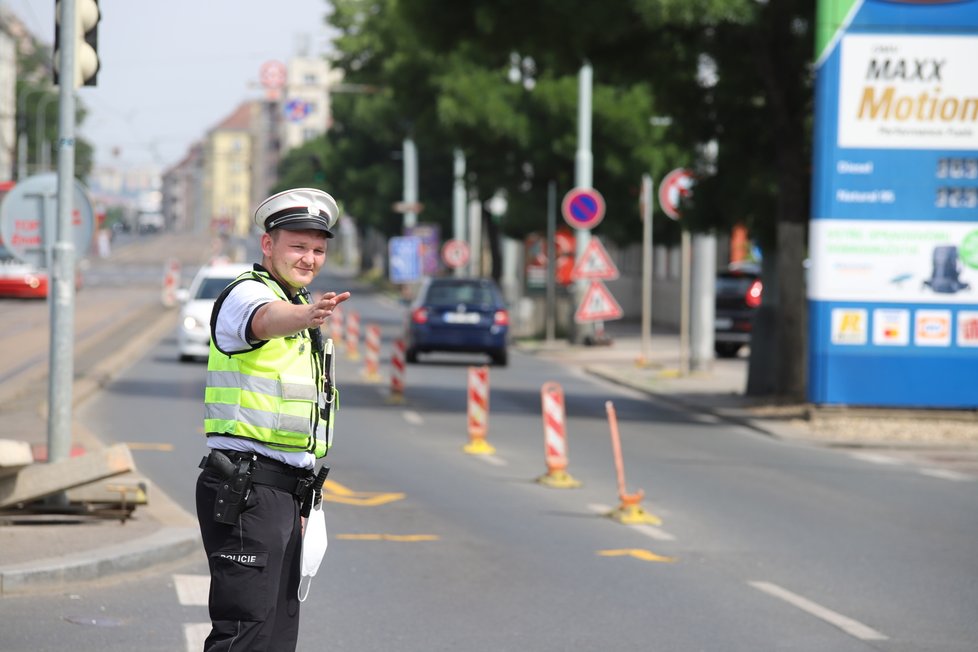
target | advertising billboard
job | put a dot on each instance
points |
(893, 285)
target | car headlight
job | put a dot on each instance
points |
(190, 323)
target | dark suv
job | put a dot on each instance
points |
(738, 294)
(458, 314)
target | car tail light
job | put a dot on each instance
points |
(419, 315)
(501, 318)
(753, 297)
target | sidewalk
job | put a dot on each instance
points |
(720, 391)
(51, 556)
(51, 552)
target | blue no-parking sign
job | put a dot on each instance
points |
(583, 208)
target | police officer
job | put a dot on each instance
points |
(266, 415)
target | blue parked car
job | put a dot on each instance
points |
(466, 315)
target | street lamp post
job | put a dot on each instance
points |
(583, 168)
(41, 147)
(22, 138)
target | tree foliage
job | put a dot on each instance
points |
(35, 93)
(500, 81)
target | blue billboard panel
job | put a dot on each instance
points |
(894, 233)
(404, 255)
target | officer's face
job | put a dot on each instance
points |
(294, 257)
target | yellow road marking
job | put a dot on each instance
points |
(334, 492)
(637, 553)
(401, 538)
(148, 446)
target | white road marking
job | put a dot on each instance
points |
(648, 530)
(493, 459)
(947, 474)
(413, 417)
(652, 532)
(194, 635)
(876, 458)
(192, 590)
(848, 625)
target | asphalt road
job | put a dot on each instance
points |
(764, 544)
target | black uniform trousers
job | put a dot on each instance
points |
(254, 567)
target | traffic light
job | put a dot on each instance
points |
(86, 42)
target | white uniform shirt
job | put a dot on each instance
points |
(230, 332)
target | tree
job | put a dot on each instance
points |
(731, 72)
(733, 76)
(34, 91)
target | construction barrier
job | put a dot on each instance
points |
(371, 354)
(171, 280)
(397, 373)
(336, 325)
(629, 511)
(555, 438)
(478, 411)
(353, 335)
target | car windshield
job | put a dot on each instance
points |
(459, 293)
(211, 288)
(733, 284)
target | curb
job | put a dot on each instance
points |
(167, 545)
(688, 405)
(780, 431)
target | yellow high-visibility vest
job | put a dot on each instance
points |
(271, 394)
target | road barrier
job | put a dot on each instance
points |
(371, 355)
(336, 325)
(397, 373)
(171, 280)
(478, 412)
(353, 335)
(555, 438)
(630, 510)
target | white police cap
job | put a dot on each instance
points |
(298, 209)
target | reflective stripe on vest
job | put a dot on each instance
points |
(270, 394)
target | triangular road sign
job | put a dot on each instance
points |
(597, 305)
(594, 263)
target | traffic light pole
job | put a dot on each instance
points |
(61, 276)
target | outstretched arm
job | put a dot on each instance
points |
(281, 319)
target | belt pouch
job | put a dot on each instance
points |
(233, 494)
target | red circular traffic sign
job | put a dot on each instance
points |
(455, 253)
(583, 208)
(676, 185)
(272, 75)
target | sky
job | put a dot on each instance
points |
(172, 69)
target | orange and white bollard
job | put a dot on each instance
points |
(630, 510)
(397, 373)
(353, 335)
(171, 280)
(478, 412)
(336, 325)
(555, 438)
(371, 354)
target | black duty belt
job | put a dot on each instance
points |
(265, 470)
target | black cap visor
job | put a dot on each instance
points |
(295, 221)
